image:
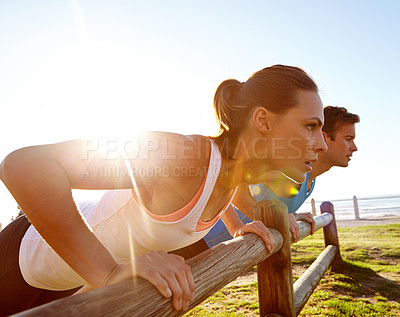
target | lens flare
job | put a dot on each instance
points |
(294, 191)
(132, 253)
(256, 190)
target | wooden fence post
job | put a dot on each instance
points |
(355, 204)
(275, 280)
(314, 210)
(330, 232)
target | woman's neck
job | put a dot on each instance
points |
(240, 164)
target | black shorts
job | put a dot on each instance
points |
(15, 294)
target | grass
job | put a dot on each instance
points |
(230, 301)
(365, 284)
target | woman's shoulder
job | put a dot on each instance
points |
(176, 146)
(172, 137)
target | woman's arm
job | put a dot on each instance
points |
(244, 200)
(41, 178)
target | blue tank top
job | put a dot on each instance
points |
(219, 233)
(261, 192)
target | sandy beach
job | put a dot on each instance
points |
(367, 222)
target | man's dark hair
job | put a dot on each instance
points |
(335, 117)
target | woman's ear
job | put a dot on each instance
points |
(262, 119)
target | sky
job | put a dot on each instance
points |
(81, 68)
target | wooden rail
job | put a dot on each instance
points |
(212, 270)
(305, 285)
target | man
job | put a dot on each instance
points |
(339, 134)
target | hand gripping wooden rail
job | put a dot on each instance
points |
(215, 268)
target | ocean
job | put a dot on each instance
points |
(369, 207)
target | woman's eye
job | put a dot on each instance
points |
(311, 126)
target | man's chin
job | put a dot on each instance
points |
(342, 164)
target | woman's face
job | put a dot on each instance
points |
(296, 136)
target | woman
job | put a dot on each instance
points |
(166, 191)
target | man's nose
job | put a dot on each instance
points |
(353, 147)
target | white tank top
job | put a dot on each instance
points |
(126, 228)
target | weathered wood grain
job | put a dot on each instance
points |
(305, 285)
(212, 270)
(275, 280)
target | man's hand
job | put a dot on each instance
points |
(307, 217)
(294, 227)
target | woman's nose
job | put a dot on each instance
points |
(320, 145)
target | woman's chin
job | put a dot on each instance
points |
(296, 176)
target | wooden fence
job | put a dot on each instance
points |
(381, 206)
(215, 268)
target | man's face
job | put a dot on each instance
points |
(341, 149)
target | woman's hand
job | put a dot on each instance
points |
(167, 272)
(237, 228)
(259, 229)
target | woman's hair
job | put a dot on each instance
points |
(335, 117)
(274, 88)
